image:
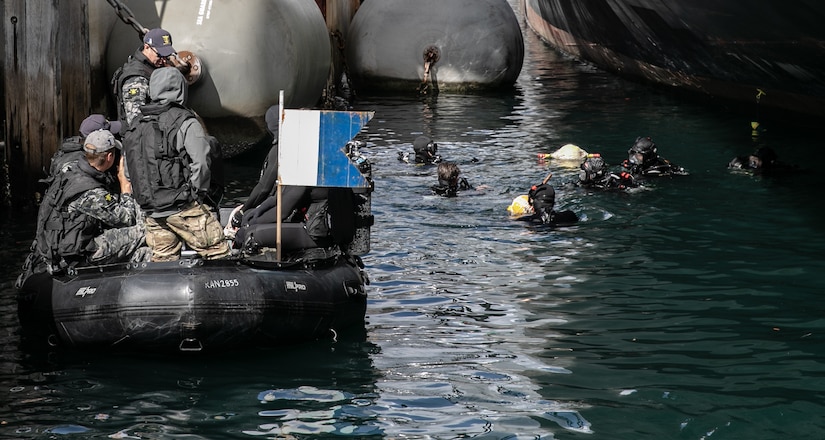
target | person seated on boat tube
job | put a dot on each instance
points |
(595, 173)
(644, 161)
(538, 206)
(265, 187)
(450, 181)
(425, 152)
(311, 217)
(167, 153)
(88, 218)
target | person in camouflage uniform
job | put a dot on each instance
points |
(84, 219)
(170, 168)
(131, 82)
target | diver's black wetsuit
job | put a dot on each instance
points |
(595, 174)
(425, 151)
(762, 161)
(446, 189)
(543, 199)
(643, 161)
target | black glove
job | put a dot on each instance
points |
(237, 218)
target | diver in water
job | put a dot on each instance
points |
(425, 152)
(762, 161)
(595, 173)
(543, 200)
(644, 161)
(450, 181)
(539, 206)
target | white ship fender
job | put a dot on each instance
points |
(249, 51)
(468, 45)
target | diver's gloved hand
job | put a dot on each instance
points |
(234, 223)
(236, 218)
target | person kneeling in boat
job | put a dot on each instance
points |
(538, 206)
(644, 161)
(71, 148)
(425, 152)
(168, 158)
(450, 181)
(595, 174)
(84, 219)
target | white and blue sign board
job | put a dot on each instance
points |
(311, 148)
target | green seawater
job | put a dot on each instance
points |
(689, 310)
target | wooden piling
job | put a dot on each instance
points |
(46, 86)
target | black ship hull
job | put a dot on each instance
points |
(762, 54)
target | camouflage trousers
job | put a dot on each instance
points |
(120, 245)
(195, 225)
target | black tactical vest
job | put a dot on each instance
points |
(63, 237)
(158, 172)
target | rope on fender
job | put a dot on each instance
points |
(431, 56)
(755, 124)
(334, 86)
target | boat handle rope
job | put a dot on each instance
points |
(190, 344)
(337, 38)
(431, 56)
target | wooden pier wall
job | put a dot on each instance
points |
(46, 87)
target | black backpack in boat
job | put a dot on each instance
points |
(158, 172)
(331, 217)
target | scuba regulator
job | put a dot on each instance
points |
(593, 169)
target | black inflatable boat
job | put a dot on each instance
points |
(194, 305)
(260, 296)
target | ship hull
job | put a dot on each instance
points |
(760, 54)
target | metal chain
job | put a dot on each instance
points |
(128, 17)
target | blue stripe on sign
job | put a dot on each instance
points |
(311, 148)
(334, 167)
